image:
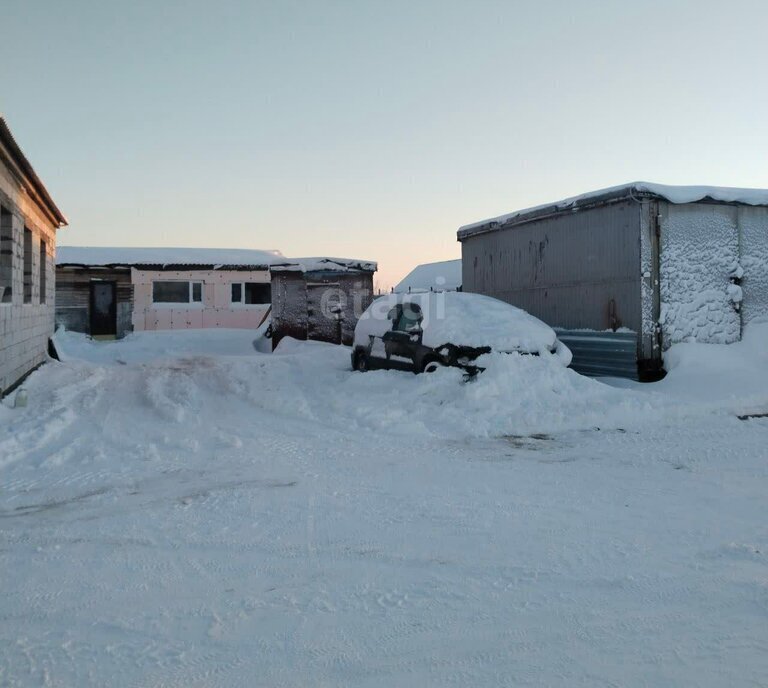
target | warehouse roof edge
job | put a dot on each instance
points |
(632, 191)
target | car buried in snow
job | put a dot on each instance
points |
(421, 332)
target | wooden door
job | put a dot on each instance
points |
(324, 312)
(103, 308)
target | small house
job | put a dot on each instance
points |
(29, 220)
(109, 292)
(627, 271)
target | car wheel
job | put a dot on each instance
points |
(361, 362)
(432, 366)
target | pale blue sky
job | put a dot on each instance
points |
(371, 129)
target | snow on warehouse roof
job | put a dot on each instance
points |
(673, 194)
(216, 257)
(442, 276)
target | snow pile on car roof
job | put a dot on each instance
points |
(462, 319)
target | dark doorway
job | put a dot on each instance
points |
(103, 309)
(324, 312)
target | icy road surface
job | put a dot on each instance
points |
(277, 520)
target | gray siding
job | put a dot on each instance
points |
(579, 270)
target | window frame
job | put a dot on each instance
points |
(241, 303)
(180, 304)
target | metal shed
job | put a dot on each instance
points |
(320, 298)
(625, 272)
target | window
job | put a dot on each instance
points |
(6, 256)
(251, 293)
(177, 292)
(408, 319)
(43, 270)
(27, 266)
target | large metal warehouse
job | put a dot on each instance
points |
(627, 271)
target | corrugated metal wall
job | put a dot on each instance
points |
(602, 354)
(579, 270)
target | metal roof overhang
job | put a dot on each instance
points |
(28, 177)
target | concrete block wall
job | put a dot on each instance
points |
(26, 327)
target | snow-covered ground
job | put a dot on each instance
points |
(178, 509)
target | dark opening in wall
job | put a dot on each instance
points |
(43, 270)
(6, 256)
(27, 266)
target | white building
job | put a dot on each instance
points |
(110, 291)
(28, 222)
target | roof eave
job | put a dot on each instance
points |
(39, 192)
(556, 209)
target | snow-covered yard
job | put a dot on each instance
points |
(178, 509)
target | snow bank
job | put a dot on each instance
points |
(720, 376)
(141, 347)
(312, 382)
(462, 319)
(515, 395)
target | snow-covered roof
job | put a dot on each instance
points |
(216, 257)
(114, 255)
(320, 263)
(673, 194)
(444, 275)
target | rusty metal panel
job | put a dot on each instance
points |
(324, 311)
(577, 270)
(289, 306)
(320, 305)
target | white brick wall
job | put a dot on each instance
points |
(26, 327)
